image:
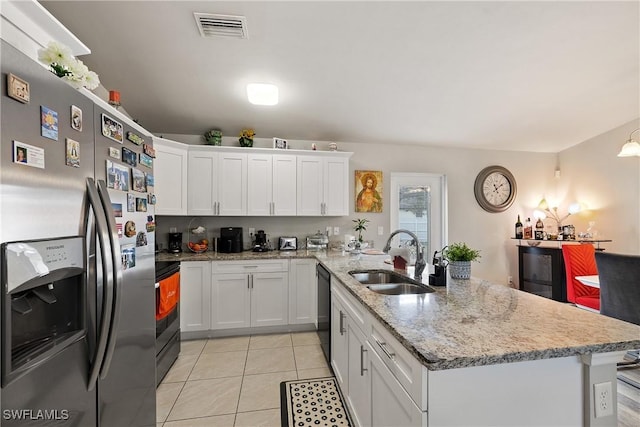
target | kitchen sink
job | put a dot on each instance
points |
(389, 282)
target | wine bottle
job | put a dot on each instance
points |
(539, 229)
(519, 233)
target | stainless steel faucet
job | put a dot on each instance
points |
(420, 262)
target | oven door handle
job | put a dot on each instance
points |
(107, 281)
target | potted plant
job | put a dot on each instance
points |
(359, 227)
(246, 137)
(460, 256)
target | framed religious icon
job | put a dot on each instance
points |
(368, 191)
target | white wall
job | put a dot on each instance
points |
(607, 185)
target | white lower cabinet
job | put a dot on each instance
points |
(390, 403)
(303, 291)
(374, 393)
(195, 296)
(249, 294)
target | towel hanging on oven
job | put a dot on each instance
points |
(168, 295)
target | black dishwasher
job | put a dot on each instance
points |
(324, 311)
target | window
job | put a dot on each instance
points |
(418, 204)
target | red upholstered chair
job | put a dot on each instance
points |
(580, 260)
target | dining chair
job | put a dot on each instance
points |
(579, 260)
(620, 297)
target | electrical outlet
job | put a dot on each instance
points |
(328, 230)
(603, 399)
(336, 231)
(252, 231)
(380, 230)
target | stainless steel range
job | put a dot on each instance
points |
(167, 317)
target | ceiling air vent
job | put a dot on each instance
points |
(212, 25)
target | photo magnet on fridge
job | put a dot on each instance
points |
(129, 157)
(72, 153)
(48, 123)
(76, 118)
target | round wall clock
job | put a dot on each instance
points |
(495, 189)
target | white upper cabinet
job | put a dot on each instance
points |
(230, 181)
(271, 185)
(170, 175)
(216, 182)
(323, 185)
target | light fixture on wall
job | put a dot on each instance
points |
(631, 147)
(544, 211)
(262, 94)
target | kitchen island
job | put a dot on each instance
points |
(489, 354)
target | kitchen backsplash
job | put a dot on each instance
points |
(274, 227)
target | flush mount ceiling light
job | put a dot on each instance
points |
(262, 94)
(631, 147)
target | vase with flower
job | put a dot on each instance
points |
(246, 138)
(359, 227)
(64, 65)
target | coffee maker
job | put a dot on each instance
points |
(261, 244)
(175, 242)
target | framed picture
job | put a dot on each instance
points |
(48, 123)
(368, 191)
(280, 143)
(117, 176)
(72, 157)
(145, 160)
(139, 181)
(17, 88)
(112, 129)
(129, 157)
(76, 118)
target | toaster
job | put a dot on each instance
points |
(288, 243)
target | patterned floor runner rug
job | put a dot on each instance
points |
(313, 402)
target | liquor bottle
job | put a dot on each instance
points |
(519, 233)
(528, 229)
(539, 229)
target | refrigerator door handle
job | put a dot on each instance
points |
(116, 263)
(107, 277)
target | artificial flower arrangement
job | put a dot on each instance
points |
(246, 138)
(64, 65)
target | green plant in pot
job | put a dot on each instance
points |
(460, 256)
(359, 227)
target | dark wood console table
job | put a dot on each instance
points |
(541, 268)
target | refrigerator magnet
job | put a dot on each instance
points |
(48, 123)
(145, 160)
(117, 209)
(128, 256)
(131, 202)
(136, 139)
(129, 157)
(141, 239)
(151, 198)
(139, 181)
(18, 89)
(72, 157)
(149, 150)
(141, 204)
(25, 154)
(117, 176)
(119, 229)
(111, 128)
(76, 118)
(151, 224)
(129, 229)
(150, 182)
(114, 153)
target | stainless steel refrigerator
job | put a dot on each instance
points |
(77, 239)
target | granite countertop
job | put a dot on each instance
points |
(468, 322)
(475, 322)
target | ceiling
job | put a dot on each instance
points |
(525, 76)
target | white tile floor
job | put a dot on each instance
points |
(227, 382)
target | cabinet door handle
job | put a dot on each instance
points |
(383, 346)
(248, 283)
(342, 316)
(251, 280)
(362, 368)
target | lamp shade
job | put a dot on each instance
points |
(630, 149)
